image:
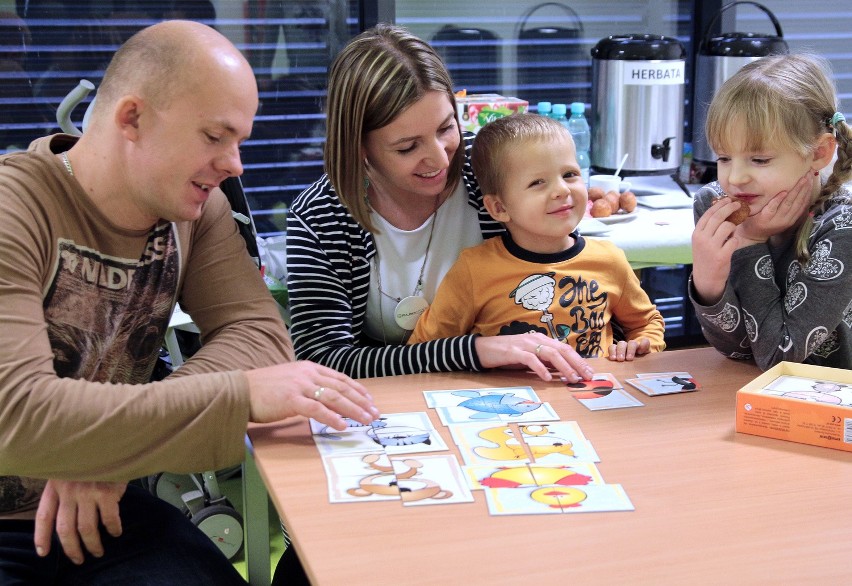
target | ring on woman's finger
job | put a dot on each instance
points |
(538, 350)
(318, 393)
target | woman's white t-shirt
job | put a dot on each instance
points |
(400, 257)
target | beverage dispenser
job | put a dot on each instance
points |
(637, 104)
(719, 57)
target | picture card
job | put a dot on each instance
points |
(557, 499)
(599, 381)
(393, 433)
(665, 374)
(546, 443)
(560, 442)
(606, 399)
(503, 397)
(808, 389)
(438, 480)
(360, 477)
(576, 474)
(490, 443)
(493, 404)
(464, 414)
(414, 480)
(665, 385)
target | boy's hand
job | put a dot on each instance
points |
(627, 351)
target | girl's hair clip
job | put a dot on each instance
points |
(838, 117)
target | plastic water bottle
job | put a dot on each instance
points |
(544, 108)
(578, 126)
(685, 170)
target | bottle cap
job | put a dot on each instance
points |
(559, 109)
(578, 107)
(543, 107)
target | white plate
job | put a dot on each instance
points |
(592, 227)
(616, 218)
(664, 201)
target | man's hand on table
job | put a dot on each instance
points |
(309, 389)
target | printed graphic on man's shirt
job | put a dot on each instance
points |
(93, 303)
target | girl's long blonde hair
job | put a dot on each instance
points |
(787, 100)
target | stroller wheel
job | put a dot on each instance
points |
(224, 526)
(171, 487)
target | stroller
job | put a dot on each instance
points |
(198, 495)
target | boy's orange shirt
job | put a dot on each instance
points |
(496, 288)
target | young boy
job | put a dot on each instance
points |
(541, 276)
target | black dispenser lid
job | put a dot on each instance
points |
(744, 45)
(639, 48)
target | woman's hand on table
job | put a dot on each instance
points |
(535, 351)
(309, 389)
(628, 350)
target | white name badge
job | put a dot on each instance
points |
(409, 310)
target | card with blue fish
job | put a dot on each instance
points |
(471, 405)
(452, 397)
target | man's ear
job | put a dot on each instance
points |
(496, 208)
(128, 111)
(824, 151)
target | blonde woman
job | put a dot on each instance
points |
(779, 285)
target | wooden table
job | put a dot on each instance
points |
(712, 506)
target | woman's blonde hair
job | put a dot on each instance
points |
(376, 77)
(786, 100)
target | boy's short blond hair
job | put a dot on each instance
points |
(497, 139)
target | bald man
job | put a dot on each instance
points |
(99, 237)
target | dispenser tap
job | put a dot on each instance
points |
(661, 151)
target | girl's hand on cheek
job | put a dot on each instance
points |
(782, 212)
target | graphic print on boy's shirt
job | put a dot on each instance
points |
(583, 302)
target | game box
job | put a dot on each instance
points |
(799, 403)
